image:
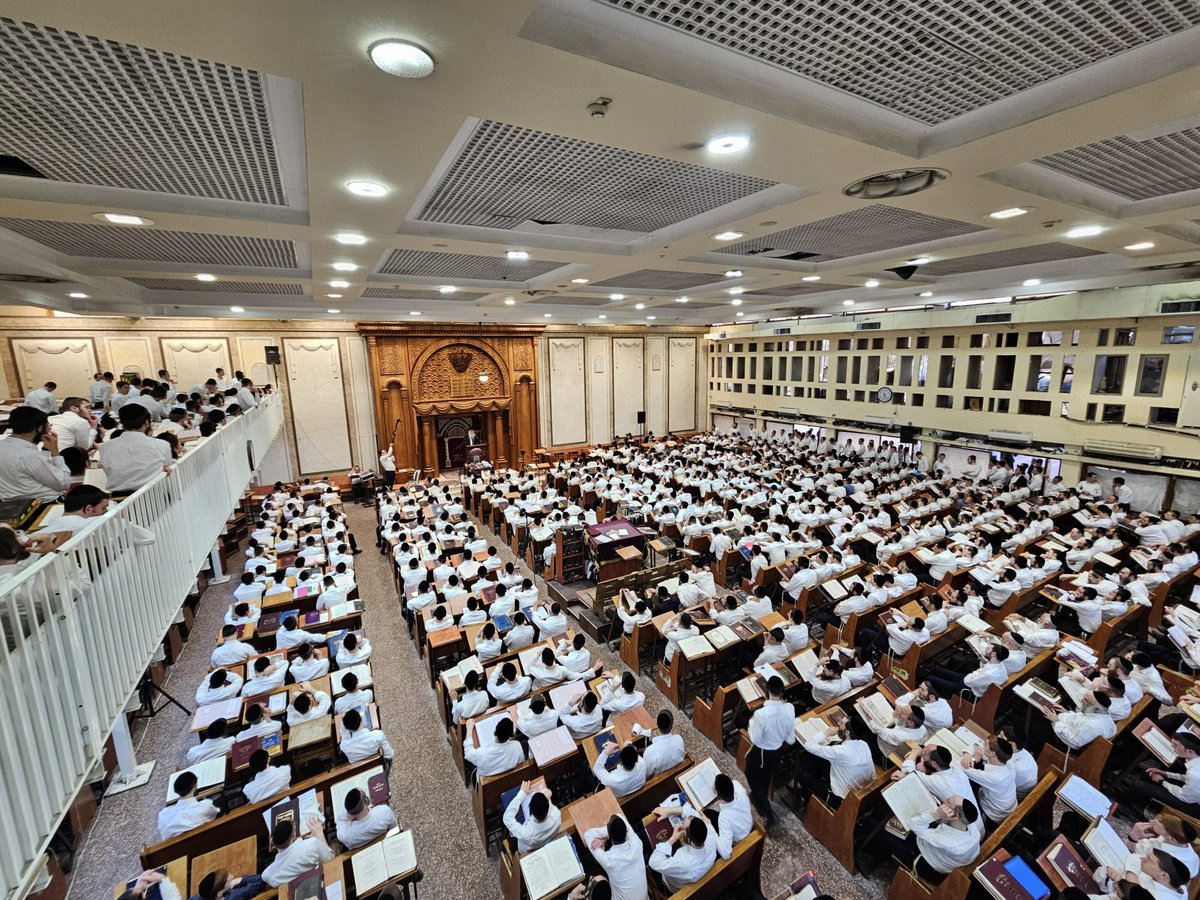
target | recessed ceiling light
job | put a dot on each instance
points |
(737, 290)
(447, 289)
(1140, 245)
(926, 293)
(728, 235)
(516, 255)
(339, 284)
(871, 282)
(334, 296)
(602, 316)
(616, 296)
(736, 301)
(1085, 231)
(366, 188)
(1011, 213)
(1031, 282)
(509, 301)
(345, 266)
(651, 318)
(414, 312)
(681, 299)
(403, 59)
(579, 281)
(727, 143)
(122, 219)
(640, 306)
(847, 303)
(920, 260)
(811, 278)
(236, 309)
(334, 311)
(734, 273)
(76, 295)
(347, 237)
(545, 315)
(741, 314)
(204, 276)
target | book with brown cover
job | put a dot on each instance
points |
(379, 792)
(243, 750)
(999, 882)
(659, 830)
(306, 887)
(892, 688)
(1071, 867)
(269, 623)
(287, 810)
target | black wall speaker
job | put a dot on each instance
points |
(908, 434)
(272, 356)
(641, 417)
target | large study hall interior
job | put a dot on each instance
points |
(637, 449)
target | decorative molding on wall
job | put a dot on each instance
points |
(318, 404)
(68, 362)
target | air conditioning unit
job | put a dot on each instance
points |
(1020, 438)
(879, 420)
(1123, 449)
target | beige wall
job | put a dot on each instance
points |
(330, 420)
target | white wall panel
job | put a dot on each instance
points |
(568, 396)
(628, 386)
(682, 384)
(252, 358)
(656, 384)
(68, 362)
(599, 375)
(131, 352)
(362, 412)
(193, 361)
(318, 401)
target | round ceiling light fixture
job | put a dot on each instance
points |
(616, 296)
(404, 59)
(871, 283)
(509, 301)
(366, 188)
(734, 273)
(811, 278)
(847, 303)
(347, 237)
(681, 299)
(898, 183)
(236, 309)
(447, 289)
(1085, 231)
(724, 144)
(728, 235)
(579, 280)
(602, 316)
(345, 266)
(339, 284)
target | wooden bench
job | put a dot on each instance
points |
(744, 861)
(1089, 762)
(835, 828)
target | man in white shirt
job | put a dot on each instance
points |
(245, 398)
(186, 812)
(74, 426)
(359, 743)
(296, 855)
(387, 465)
(665, 750)
(772, 725)
(692, 860)
(987, 766)
(217, 686)
(990, 671)
(43, 398)
(231, 651)
(268, 780)
(502, 754)
(359, 822)
(100, 390)
(540, 819)
(627, 776)
(836, 762)
(27, 473)
(134, 458)
(1077, 729)
(216, 742)
(620, 856)
(939, 842)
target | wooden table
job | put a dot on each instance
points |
(240, 858)
(592, 811)
(622, 723)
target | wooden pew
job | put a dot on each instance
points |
(835, 828)
(745, 860)
(906, 885)
(1089, 762)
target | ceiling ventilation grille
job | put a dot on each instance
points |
(930, 60)
(993, 318)
(506, 176)
(428, 264)
(1179, 306)
(431, 293)
(219, 287)
(91, 111)
(156, 245)
(869, 326)
(866, 230)
(1000, 259)
(656, 279)
(1135, 169)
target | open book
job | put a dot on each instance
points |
(804, 661)
(547, 869)
(1156, 741)
(876, 708)
(209, 773)
(363, 781)
(388, 859)
(1105, 845)
(909, 797)
(1084, 798)
(810, 729)
(454, 676)
(697, 783)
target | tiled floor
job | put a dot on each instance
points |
(428, 795)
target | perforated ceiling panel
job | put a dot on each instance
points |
(218, 287)
(1135, 169)
(570, 300)
(155, 245)
(657, 279)
(507, 175)
(930, 60)
(1022, 256)
(865, 230)
(93, 111)
(404, 294)
(791, 290)
(428, 264)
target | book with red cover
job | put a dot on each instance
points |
(269, 623)
(1001, 883)
(488, 593)
(1070, 866)
(243, 750)
(306, 887)
(659, 831)
(379, 792)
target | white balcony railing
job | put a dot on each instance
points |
(81, 625)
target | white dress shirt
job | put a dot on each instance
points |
(27, 473)
(1078, 729)
(530, 834)
(945, 847)
(687, 864)
(494, 758)
(363, 744)
(354, 833)
(623, 864)
(773, 725)
(850, 764)
(298, 857)
(620, 780)
(352, 699)
(997, 789)
(131, 460)
(183, 815)
(664, 752)
(73, 430)
(267, 783)
(209, 749)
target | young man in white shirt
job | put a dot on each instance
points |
(296, 855)
(691, 860)
(359, 743)
(268, 780)
(772, 725)
(217, 686)
(186, 812)
(666, 749)
(627, 776)
(939, 842)
(541, 818)
(836, 762)
(216, 742)
(359, 823)
(503, 754)
(134, 458)
(27, 472)
(231, 650)
(619, 854)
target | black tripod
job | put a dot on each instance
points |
(146, 690)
